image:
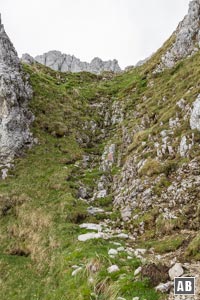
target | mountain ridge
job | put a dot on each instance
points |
(69, 63)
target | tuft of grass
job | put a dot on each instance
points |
(168, 244)
(168, 226)
(193, 249)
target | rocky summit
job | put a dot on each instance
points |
(106, 204)
(69, 63)
(186, 38)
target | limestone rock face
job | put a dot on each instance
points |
(187, 38)
(14, 95)
(195, 115)
(67, 63)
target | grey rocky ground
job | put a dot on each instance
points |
(130, 192)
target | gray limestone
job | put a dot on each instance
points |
(15, 92)
(164, 287)
(90, 236)
(187, 38)
(113, 269)
(69, 63)
(112, 252)
(195, 115)
(183, 146)
(176, 271)
(91, 226)
(27, 59)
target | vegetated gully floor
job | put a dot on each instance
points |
(41, 212)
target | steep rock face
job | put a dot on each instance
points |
(195, 115)
(14, 94)
(187, 38)
(67, 63)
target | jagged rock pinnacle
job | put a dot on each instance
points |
(69, 63)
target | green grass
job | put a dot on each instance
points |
(168, 244)
(193, 249)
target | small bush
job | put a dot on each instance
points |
(155, 273)
(77, 216)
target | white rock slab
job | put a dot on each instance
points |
(122, 236)
(91, 226)
(90, 236)
(95, 210)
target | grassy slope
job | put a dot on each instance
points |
(181, 82)
(38, 224)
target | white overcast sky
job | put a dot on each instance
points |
(128, 30)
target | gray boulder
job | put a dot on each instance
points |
(176, 271)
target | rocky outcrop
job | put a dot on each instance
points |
(187, 38)
(69, 63)
(27, 59)
(14, 95)
(195, 115)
